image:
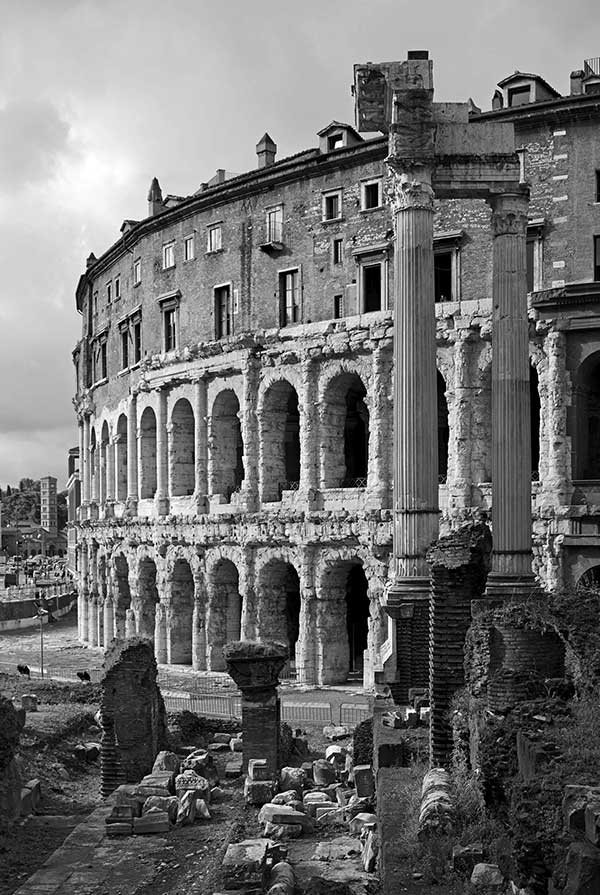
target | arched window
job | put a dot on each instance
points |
(182, 463)
(226, 449)
(279, 441)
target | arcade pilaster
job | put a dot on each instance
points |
(162, 459)
(250, 432)
(201, 444)
(132, 483)
(309, 467)
(511, 572)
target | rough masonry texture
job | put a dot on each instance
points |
(133, 713)
(234, 393)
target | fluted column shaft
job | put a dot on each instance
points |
(132, 488)
(415, 397)
(162, 460)
(511, 421)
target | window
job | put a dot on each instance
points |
(597, 258)
(109, 293)
(168, 255)
(371, 287)
(518, 96)
(338, 306)
(332, 206)
(534, 247)
(336, 141)
(125, 348)
(222, 311)
(188, 249)
(597, 185)
(95, 304)
(442, 275)
(214, 238)
(370, 195)
(117, 288)
(275, 224)
(170, 326)
(100, 364)
(137, 340)
(137, 271)
(338, 250)
(289, 297)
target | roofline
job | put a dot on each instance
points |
(527, 74)
(563, 108)
(285, 171)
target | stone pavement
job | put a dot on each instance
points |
(88, 863)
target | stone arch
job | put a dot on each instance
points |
(121, 593)
(224, 611)
(180, 613)
(443, 429)
(147, 597)
(586, 423)
(279, 417)
(590, 579)
(147, 454)
(121, 458)
(226, 447)
(182, 454)
(344, 427)
(278, 586)
(342, 606)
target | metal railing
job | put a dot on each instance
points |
(359, 482)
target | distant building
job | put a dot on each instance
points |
(73, 502)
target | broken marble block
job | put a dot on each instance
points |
(258, 769)
(370, 848)
(127, 794)
(284, 814)
(293, 778)
(36, 792)
(29, 702)
(170, 804)
(117, 830)
(464, 857)
(233, 768)
(487, 876)
(335, 732)
(186, 813)
(286, 797)
(188, 781)
(120, 821)
(236, 744)
(203, 764)
(155, 821)
(245, 864)
(592, 822)
(364, 781)
(282, 831)
(259, 792)
(358, 822)
(166, 761)
(323, 772)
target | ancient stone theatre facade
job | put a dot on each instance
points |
(235, 386)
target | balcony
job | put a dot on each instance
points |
(272, 241)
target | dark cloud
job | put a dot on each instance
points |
(33, 137)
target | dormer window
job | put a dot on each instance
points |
(519, 96)
(336, 141)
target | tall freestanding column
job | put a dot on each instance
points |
(511, 572)
(415, 423)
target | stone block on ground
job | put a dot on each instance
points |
(203, 764)
(583, 869)
(339, 849)
(218, 747)
(186, 813)
(464, 858)
(285, 797)
(222, 737)
(308, 769)
(259, 792)
(119, 830)
(36, 792)
(202, 810)
(26, 802)
(258, 769)
(281, 879)
(487, 876)
(155, 821)
(170, 804)
(29, 702)
(323, 772)
(370, 850)
(326, 816)
(311, 808)
(127, 794)
(166, 761)
(336, 754)
(120, 814)
(358, 821)
(293, 778)
(364, 781)
(236, 744)
(245, 864)
(335, 732)
(234, 766)
(282, 831)
(356, 805)
(161, 778)
(284, 814)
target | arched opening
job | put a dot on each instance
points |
(121, 593)
(104, 465)
(590, 580)
(182, 456)
(345, 428)
(534, 394)
(226, 449)
(148, 454)
(280, 441)
(442, 429)
(93, 466)
(586, 454)
(181, 610)
(279, 606)
(343, 606)
(121, 458)
(224, 614)
(147, 598)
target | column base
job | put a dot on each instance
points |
(501, 587)
(161, 505)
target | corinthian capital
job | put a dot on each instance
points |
(509, 214)
(410, 189)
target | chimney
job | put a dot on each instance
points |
(265, 150)
(577, 82)
(497, 101)
(90, 261)
(155, 199)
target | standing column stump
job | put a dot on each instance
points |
(255, 668)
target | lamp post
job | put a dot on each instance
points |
(40, 614)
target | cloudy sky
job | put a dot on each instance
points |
(98, 96)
